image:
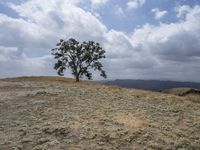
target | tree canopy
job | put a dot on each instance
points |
(81, 58)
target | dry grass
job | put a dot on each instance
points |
(48, 113)
(40, 78)
(129, 121)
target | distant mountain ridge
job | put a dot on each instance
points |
(152, 85)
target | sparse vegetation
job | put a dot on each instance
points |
(93, 116)
(80, 57)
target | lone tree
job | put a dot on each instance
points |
(80, 57)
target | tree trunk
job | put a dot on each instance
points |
(77, 78)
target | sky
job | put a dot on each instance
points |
(143, 39)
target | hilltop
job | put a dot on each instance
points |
(48, 113)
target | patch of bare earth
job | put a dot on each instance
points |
(51, 113)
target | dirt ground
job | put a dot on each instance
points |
(47, 113)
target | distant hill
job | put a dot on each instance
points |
(153, 85)
(182, 91)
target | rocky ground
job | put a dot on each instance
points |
(48, 113)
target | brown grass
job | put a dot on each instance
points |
(48, 113)
(40, 78)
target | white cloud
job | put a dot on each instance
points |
(22, 33)
(175, 41)
(14, 62)
(118, 44)
(133, 4)
(119, 11)
(97, 3)
(158, 14)
(182, 10)
(7, 53)
(49, 22)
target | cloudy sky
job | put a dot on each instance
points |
(143, 39)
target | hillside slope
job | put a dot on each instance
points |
(51, 113)
(182, 91)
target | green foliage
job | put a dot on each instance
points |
(80, 57)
